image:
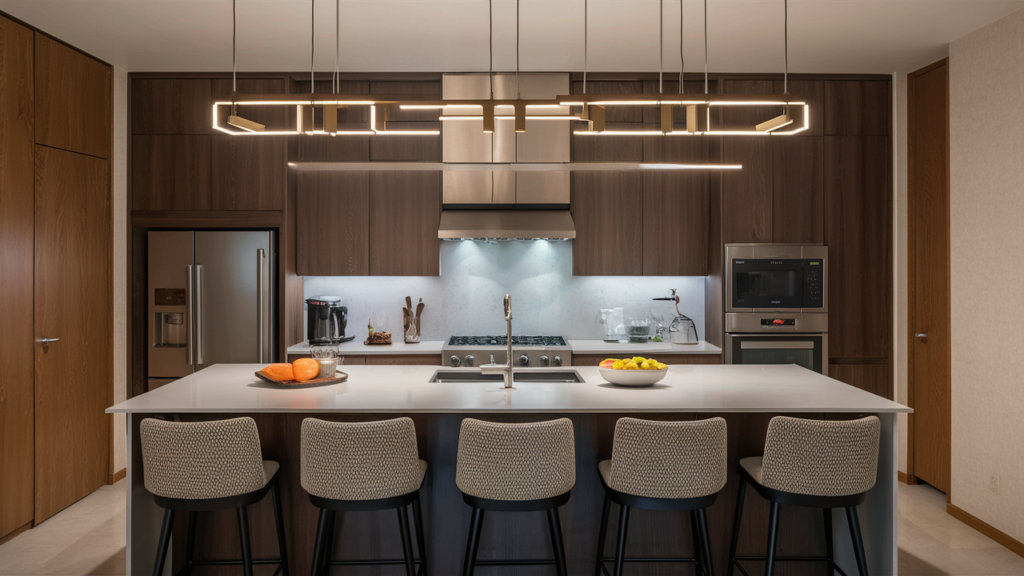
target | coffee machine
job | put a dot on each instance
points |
(326, 320)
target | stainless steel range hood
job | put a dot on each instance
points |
(506, 225)
(504, 203)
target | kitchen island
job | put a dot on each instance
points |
(746, 396)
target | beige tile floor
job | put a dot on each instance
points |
(88, 539)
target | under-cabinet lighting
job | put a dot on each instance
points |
(691, 166)
(636, 133)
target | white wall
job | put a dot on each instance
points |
(986, 90)
(120, 205)
(475, 275)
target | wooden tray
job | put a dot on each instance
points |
(339, 376)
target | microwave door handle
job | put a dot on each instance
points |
(189, 348)
(199, 315)
(260, 287)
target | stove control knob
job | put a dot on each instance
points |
(455, 360)
(544, 360)
(524, 360)
(469, 360)
(557, 361)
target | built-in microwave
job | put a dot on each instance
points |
(776, 278)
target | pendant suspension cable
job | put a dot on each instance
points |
(661, 43)
(785, 37)
(586, 25)
(682, 62)
(234, 25)
(705, 46)
(312, 44)
(336, 80)
(490, 46)
(517, 51)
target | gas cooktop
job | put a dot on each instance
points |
(533, 341)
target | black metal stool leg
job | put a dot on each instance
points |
(773, 531)
(697, 547)
(243, 532)
(332, 519)
(858, 541)
(555, 527)
(702, 518)
(736, 527)
(474, 539)
(417, 516)
(620, 546)
(190, 541)
(165, 540)
(403, 528)
(318, 544)
(603, 533)
(829, 552)
(282, 546)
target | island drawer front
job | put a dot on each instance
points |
(350, 360)
(404, 360)
(595, 359)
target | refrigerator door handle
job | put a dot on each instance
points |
(199, 314)
(189, 348)
(261, 257)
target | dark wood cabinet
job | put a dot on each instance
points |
(171, 106)
(274, 118)
(248, 173)
(332, 218)
(415, 147)
(747, 193)
(403, 360)
(745, 117)
(675, 221)
(857, 108)
(588, 148)
(858, 233)
(170, 172)
(874, 378)
(670, 359)
(797, 190)
(607, 208)
(17, 177)
(72, 99)
(405, 214)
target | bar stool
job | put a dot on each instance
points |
(663, 466)
(515, 468)
(205, 466)
(814, 463)
(359, 466)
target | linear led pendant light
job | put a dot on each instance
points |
(234, 119)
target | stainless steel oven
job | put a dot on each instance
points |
(777, 305)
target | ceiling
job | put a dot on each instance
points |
(838, 36)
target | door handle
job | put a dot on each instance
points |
(189, 297)
(260, 265)
(45, 340)
(920, 335)
(199, 314)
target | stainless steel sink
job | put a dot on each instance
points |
(560, 377)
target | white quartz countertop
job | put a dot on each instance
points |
(646, 349)
(233, 388)
(356, 347)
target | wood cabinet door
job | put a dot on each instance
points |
(332, 224)
(747, 193)
(856, 108)
(675, 223)
(403, 360)
(171, 106)
(858, 233)
(607, 208)
(170, 172)
(797, 190)
(72, 100)
(16, 239)
(405, 213)
(73, 302)
(248, 173)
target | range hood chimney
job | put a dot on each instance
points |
(491, 199)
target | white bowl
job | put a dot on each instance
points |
(633, 377)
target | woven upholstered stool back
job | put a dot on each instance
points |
(669, 459)
(360, 460)
(201, 460)
(821, 457)
(516, 461)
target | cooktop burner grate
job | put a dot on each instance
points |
(502, 341)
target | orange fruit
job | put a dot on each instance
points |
(279, 372)
(305, 369)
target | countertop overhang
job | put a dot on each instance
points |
(357, 348)
(716, 388)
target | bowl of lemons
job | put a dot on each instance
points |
(636, 371)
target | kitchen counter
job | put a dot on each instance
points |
(746, 396)
(614, 349)
(357, 348)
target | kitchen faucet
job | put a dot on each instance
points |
(506, 368)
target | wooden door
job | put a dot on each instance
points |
(928, 275)
(73, 302)
(405, 213)
(248, 173)
(16, 239)
(332, 219)
(72, 100)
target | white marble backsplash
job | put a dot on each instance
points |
(475, 275)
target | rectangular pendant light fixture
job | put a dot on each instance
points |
(668, 119)
(775, 123)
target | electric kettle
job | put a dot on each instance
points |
(682, 330)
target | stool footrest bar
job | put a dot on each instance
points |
(525, 562)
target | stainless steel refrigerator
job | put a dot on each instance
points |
(211, 297)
